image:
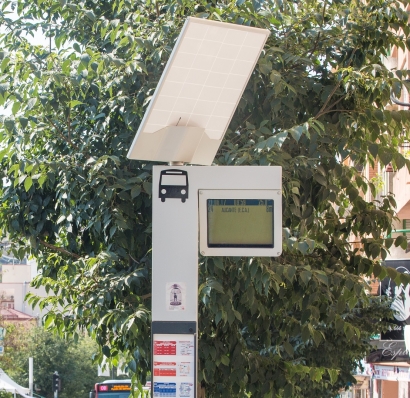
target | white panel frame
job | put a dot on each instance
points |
(175, 229)
(274, 194)
(210, 64)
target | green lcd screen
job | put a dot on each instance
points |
(240, 222)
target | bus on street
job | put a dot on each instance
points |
(115, 389)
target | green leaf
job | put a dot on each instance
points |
(385, 155)
(316, 374)
(23, 122)
(28, 182)
(377, 269)
(225, 360)
(290, 272)
(49, 321)
(30, 103)
(296, 132)
(399, 160)
(400, 240)
(218, 317)
(322, 277)
(320, 179)
(42, 179)
(147, 187)
(9, 124)
(16, 107)
(374, 149)
(74, 103)
(215, 285)
(303, 247)
(333, 374)
(378, 114)
(90, 14)
(391, 272)
(277, 139)
(218, 262)
(288, 348)
(85, 59)
(3, 88)
(106, 351)
(317, 337)
(305, 276)
(135, 191)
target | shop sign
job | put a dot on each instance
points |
(388, 351)
(392, 373)
(401, 300)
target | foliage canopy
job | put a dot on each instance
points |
(50, 353)
(293, 326)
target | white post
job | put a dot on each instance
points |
(30, 376)
(176, 196)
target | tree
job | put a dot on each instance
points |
(293, 326)
(50, 353)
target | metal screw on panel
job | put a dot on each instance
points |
(200, 192)
(203, 253)
(278, 253)
(279, 192)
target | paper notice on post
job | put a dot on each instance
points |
(176, 296)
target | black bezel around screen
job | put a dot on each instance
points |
(234, 245)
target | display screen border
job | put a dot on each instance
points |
(244, 245)
(112, 387)
(242, 250)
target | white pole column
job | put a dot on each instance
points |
(174, 282)
(174, 246)
(30, 375)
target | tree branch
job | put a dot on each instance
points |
(334, 90)
(327, 100)
(333, 110)
(69, 117)
(318, 35)
(329, 109)
(68, 141)
(59, 249)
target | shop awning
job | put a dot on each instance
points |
(9, 385)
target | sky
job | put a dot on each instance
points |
(38, 39)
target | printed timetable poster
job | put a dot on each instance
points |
(174, 365)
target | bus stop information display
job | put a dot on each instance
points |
(114, 387)
(173, 365)
(240, 222)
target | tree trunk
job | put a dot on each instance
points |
(201, 391)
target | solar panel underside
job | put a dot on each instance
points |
(205, 77)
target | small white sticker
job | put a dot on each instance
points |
(175, 294)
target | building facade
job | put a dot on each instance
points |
(15, 278)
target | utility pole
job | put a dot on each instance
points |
(56, 384)
(30, 376)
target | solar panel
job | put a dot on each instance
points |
(198, 92)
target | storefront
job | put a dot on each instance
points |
(390, 381)
(390, 361)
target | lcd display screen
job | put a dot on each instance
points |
(240, 223)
